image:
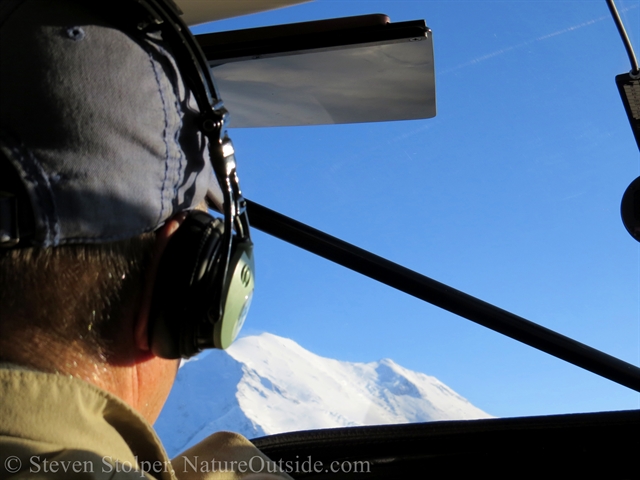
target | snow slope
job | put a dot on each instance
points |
(267, 384)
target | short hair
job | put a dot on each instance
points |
(72, 295)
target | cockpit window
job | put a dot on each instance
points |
(511, 193)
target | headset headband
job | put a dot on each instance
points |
(192, 64)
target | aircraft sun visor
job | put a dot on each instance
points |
(347, 70)
(195, 12)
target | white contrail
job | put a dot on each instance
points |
(482, 58)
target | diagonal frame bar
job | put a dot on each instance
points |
(443, 296)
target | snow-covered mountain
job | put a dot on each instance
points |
(267, 384)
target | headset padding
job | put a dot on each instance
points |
(185, 285)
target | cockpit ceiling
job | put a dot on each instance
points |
(202, 11)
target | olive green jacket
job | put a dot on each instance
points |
(59, 427)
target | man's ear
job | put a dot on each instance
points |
(141, 326)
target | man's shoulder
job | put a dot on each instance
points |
(56, 426)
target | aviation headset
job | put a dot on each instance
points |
(205, 279)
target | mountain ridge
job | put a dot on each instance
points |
(266, 384)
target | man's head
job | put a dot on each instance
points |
(97, 122)
(101, 153)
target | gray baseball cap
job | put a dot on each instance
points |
(95, 123)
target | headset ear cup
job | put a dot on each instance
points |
(184, 284)
(237, 294)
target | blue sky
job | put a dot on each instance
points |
(511, 194)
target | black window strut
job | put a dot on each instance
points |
(443, 296)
